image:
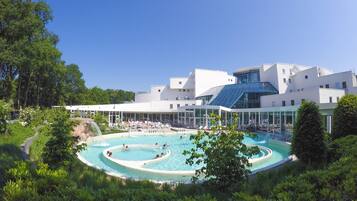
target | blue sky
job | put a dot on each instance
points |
(133, 44)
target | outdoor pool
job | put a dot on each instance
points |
(139, 160)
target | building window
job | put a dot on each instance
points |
(292, 102)
(321, 86)
(178, 105)
(177, 98)
(283, 70)
(344, 85)
(289, 80)
(330, 99)
(179, 90)
(186, 104)
(273, 103)
(183, 90)
(171, 106)
(180, 82)
(187, 90)
(159, 90)
(327, 86)
(284, 80)
(306, 77)
(302, 100)
(298, 89)
(283, 103)
(338, 99)
(302, 89)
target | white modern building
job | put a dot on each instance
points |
(264, 97)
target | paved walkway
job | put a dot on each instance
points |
(25, 147)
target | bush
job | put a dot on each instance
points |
(4, 116)
(343, 147)
(101, 120)
(61, 148)
(308, 138)
(336, 182)
(345, 117)
(223, 155)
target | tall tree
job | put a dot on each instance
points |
(345, 117)
(308, 138)
(21, 24)
(74, 87)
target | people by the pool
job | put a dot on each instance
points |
(159, 155)
(125, 147)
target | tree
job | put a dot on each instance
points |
(74, 86)
(345, 117)
(308, 138)
(4, 116)
(222, 154)
(101, 120)
(22, 25)
(61, 149)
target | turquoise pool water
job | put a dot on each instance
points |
(175, 162)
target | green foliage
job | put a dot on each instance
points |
(61, 148)
(41, 183)
(308, 139)
(18, 135)
(345, 117)
(223, 155)
(263, 183)
(97, 95)
(74, 85)
(336, 182)
(38, 146)
(31, 69)
(343, 147)
(4, 116)
(28, 115)
(101, 120)
(246, 197)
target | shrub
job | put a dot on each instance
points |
(4, 116)
(308, 138)
(336, 182)
(345, 117)
(61, 148)
(223, 155)
(343, 147)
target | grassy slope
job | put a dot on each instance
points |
(17, 136)
(38, 145)
(10, 147)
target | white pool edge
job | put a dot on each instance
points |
(127, 134)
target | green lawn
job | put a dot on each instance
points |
(10, 147)
(38, 145)
(17, 136)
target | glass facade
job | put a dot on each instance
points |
(247, 76)
(243, 95)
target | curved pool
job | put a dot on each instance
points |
(143, 156)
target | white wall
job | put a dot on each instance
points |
(314, 94)
(206, 79)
